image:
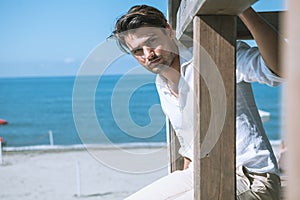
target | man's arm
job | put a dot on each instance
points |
(267, 39)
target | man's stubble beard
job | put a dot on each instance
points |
(166, 64)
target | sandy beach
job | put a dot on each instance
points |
(81, 173)
(95, 173)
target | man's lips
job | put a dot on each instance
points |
(154, 62)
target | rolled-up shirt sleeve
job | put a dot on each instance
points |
(187, 152)
(250, 66)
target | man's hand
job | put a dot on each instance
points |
(186, 163)
(267, 39)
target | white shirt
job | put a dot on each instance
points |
(180, 110)
(253, 149)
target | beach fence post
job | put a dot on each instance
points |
(78, 181)
(51, 138)
(1, 161)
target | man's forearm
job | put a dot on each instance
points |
(267, 39)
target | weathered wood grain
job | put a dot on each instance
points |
(214, 61)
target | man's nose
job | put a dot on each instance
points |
(149, 53)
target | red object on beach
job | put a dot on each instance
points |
(3, 122)
(1, 140)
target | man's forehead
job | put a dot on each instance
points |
(145, 31)
(136, 37)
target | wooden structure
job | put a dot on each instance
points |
(291, 97)
(214, 27)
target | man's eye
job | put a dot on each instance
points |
(137, 52)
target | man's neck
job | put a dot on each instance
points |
(172, 74)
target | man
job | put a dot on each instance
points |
(144, 32)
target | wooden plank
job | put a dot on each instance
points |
(291, 100)
(214, 61)
(190, 8)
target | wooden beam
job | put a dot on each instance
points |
(190, 8)
(243, 33)
(291, 100)
(214, 62)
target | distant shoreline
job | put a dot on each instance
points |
(84, 146)
(151, 145)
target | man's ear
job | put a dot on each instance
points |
(170, 30)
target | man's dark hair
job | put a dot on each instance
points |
(136, 17)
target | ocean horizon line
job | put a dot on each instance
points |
(72, 76)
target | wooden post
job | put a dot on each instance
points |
(78, 180)
(214, 62)
(51, 138)
(176, 160)
(173, 6)
(292, 106)
(1, 161)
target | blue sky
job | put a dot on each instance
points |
(53, 37)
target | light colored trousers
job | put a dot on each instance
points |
(250, 185)
(179, 186)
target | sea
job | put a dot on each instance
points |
(111, 109)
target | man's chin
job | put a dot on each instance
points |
(158, 70)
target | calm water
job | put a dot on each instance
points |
(33, 106)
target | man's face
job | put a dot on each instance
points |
(152, 47)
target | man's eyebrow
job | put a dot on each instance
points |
(150, 36)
